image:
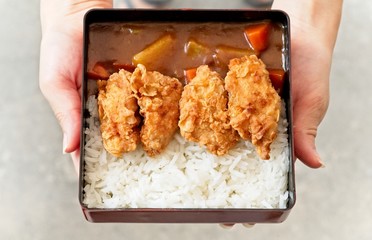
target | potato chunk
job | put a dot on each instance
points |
(150, 55)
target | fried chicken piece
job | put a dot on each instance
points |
(158, 97)
(254, 105)
(204, 118)
(117, 109)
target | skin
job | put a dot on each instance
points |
(314, 26)
(60, 73)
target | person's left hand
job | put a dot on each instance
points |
(61, 64)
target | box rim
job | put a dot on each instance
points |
(179, 15)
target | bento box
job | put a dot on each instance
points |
(160, 172)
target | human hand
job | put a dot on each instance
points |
(314, 26)
(61, 63)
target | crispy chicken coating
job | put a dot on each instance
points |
(158, 98)
(117, 109)
(204, 118)
(254, 105)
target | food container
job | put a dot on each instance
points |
(109, 51)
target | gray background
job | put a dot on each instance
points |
(38, 185)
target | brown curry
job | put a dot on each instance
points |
(172, 49)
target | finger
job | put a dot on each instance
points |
(76, 160)
(61, 86)
(307, 118)
(248, 225)
(226, 226)
(66, 106)
(230, 225)
(305, 150)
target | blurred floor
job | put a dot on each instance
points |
(38, 186)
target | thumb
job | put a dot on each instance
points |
(305, 150)
(65, 103)
(70, 123)
(60, 63)
(76, 160)
(305, 127)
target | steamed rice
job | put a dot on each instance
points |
(185, 175)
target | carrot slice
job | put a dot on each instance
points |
(190, 74)
(95, 76)
(277, 79)
(258, 35)
(128, 67)
(103, 69)
(99, 71)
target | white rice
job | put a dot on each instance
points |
(185, 175)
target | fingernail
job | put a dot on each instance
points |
(65, 142)
(226, 226)
(248, 225)
(322, 165)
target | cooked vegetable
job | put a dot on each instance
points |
(225, 53)
(277, 79)
(151, 53)
(190, 74)
(194, 49)
(258, 35)
(102, 70)
(95, 76)
(117, 66)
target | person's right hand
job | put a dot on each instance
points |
(314, 27)
(61, 64)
